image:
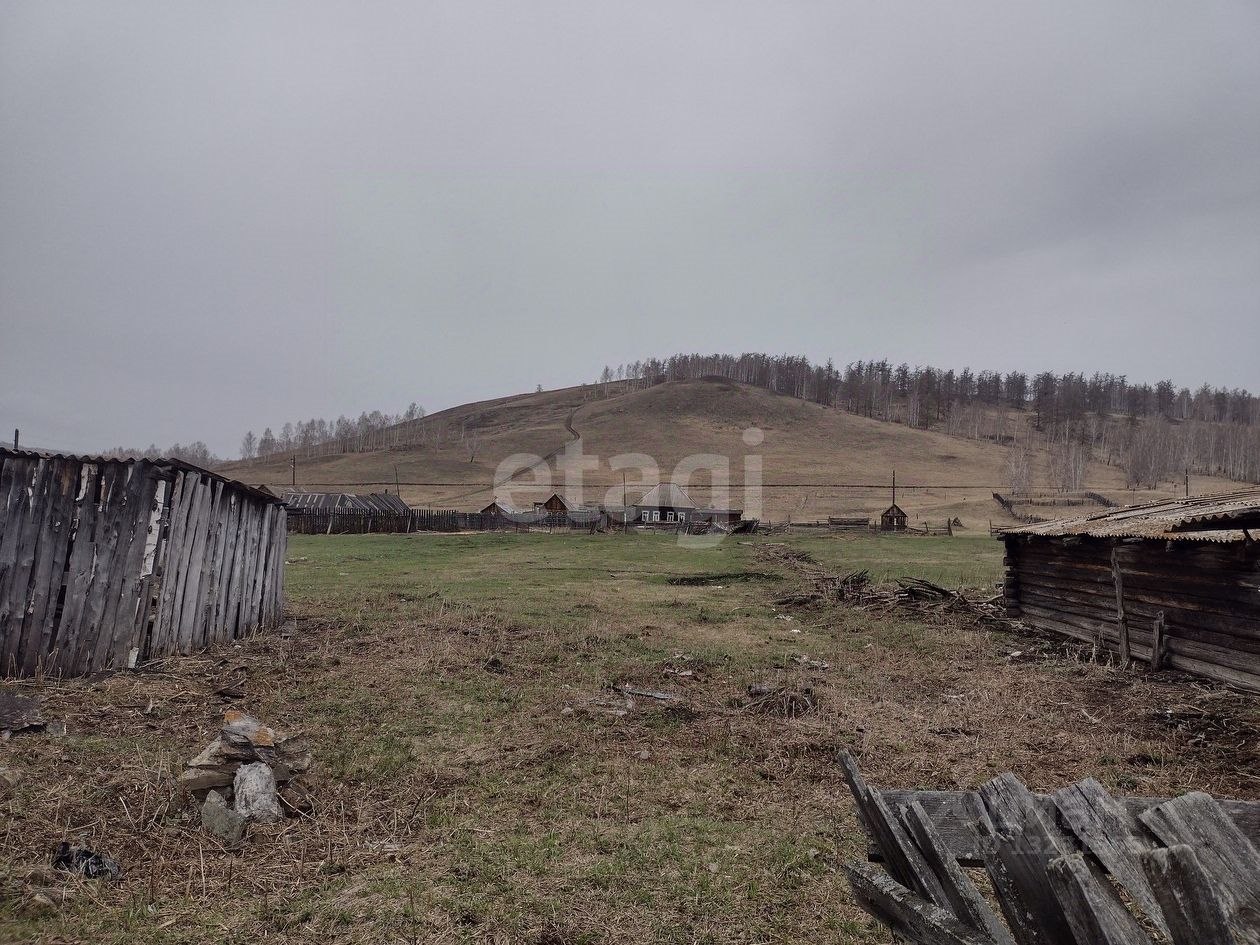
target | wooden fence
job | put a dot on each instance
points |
(358, 522)
(105, 563)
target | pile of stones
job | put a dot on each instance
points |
(236, 777)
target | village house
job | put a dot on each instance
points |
(664, 503)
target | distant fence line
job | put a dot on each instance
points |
(334, 521)
(105, 563)
(358, 522)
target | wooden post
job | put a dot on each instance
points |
(15, 437)
(1122, 623)
(1157, 642)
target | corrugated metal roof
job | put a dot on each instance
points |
(347, 501)
(385, 502)
(322, 501)
(1220, 518)
(503, 507)
(666, 495)
(160, 463)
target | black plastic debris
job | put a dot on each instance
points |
(93, 865)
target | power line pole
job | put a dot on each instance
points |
(293, 467)
(625, 512)
(15, 437)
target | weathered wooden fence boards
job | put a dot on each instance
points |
(335, 521)
(1077, 867)
(106, 562)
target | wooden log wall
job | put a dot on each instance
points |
(1205, 596)
(107, 563)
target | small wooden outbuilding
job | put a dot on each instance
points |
(892, 519)
(498, 509)
(501, 514)
(724, 517)
(1175, 582)
(560, 510)
(555, 504)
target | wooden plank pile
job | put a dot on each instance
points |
(1078, 867)
(106, 562)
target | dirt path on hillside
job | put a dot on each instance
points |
(574, 436)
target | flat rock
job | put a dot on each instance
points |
(245, 740)
(222, 821)
(18, 712)
(256, 796)
(247, 737)
(214, 767)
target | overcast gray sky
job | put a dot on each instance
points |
(217, 216)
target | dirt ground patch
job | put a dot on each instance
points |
(488, 768)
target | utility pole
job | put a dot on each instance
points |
(894, 501)
(293, 467)
(15, 437)
(625, 512)
(1187, 482)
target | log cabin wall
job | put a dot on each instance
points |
(1207, 591)
(105, 563)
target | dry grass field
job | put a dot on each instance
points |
(804, 443)
(480, 778)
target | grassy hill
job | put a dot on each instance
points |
(809, 452)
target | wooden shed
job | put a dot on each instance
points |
(559, 510)
(724, 517)
(497, 510)
(500, 514)
(1174, 582)
(892, 519)
(108, 562)
(556, 504)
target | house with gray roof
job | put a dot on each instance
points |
(665, 503)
